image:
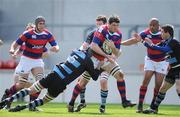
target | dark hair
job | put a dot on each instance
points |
(39, 19)
(102, 18)
(168, 28)
(114, 18)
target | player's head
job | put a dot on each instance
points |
(113, 23)
(101, 20)
(167, 31)
(154, 25)
(30, 26)
(40, 23)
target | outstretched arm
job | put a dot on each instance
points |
(135, 39)
(148, 43)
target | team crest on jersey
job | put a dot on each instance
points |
(33, 36)
(149, 36)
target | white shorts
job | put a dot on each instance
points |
(26, 64)
(160, 67)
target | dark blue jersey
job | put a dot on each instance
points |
(90, 36)
(75, 65)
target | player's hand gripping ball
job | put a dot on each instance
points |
(106, 48)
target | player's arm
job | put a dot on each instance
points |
(45, 53)
(54, 48)
(84, 46)
(156, 47)
(135, 39)
(149, 44)
(115, 50)
(13, 47)
(95, 47)
(87, 42)
(53, 43)
(22, 38)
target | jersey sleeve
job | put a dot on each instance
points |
(23, 37)
(143, 35)
(90, 37)
(99, 38)
(52, 40)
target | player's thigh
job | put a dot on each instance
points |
(84, 79)
(159, 77)
(149, 65)
(161, 67)
(113, 69)
(38, 73)
(147, 77)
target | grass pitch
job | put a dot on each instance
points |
(92, 110)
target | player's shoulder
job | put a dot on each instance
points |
(47, 31)
(28, 31)
(103, 28)
(145, 31)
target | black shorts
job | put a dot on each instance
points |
(54, 84)
(172, 75)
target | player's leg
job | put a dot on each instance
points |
(148, 73)
(21, 75)
(114, 70)
(82, 95)
(160, 72)
(22, 93)
(84, 79)
(158, 82)
(178, 86)
(12, 89)
(104, 90)
(54, 85)
(38, 74)
(160, 97)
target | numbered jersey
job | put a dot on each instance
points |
(75, 65)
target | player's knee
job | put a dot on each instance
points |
(20, 85)
(119, 75)
(82, 85)
(39, 76)
(104, 84)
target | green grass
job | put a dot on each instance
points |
(92, 110)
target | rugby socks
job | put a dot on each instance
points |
(155, 95)
(34, 96)
(160, 97)
(142, 93)
(12, 90)
(82, 95)
(20, 94)
(76, 91)
(104, 95)
(122, 89)
(35, 103)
